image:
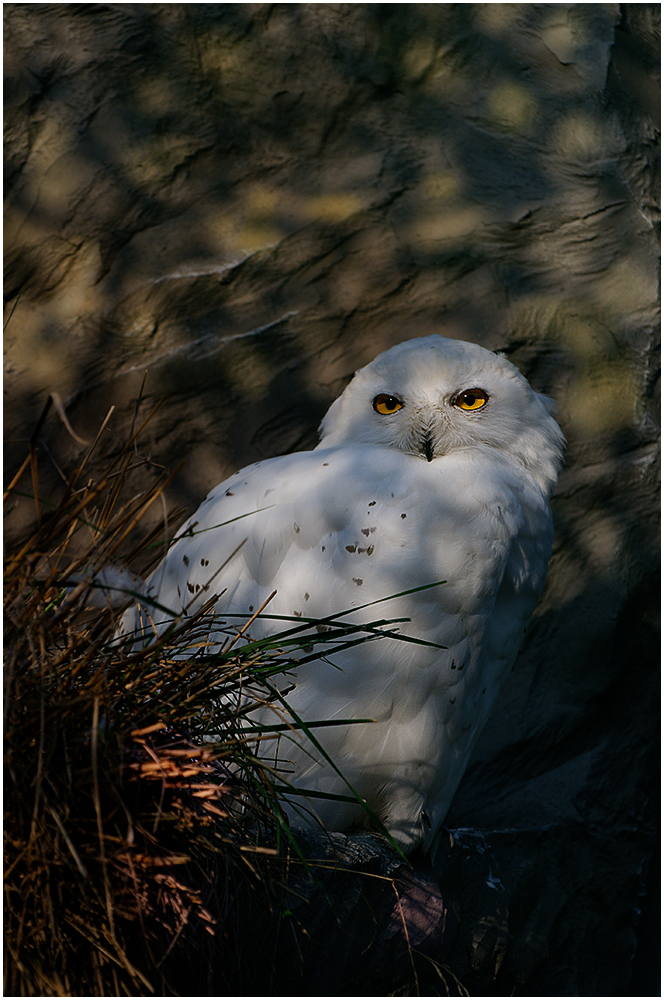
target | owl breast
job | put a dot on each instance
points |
(421, 552)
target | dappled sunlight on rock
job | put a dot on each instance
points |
(436, 224)
(512, 107)
(602, 400)
(581, 136)
(630, 284)
(332, 207)
(244, 204)
(580, 35)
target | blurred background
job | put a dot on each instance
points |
(243, 203)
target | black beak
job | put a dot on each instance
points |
(427, 447)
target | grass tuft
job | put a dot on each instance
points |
(134, 850)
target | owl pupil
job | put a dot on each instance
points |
(471, 399)
(386, 404)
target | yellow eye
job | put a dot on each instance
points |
(471, 399)
(385, 404)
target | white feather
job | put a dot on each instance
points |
(384, 504)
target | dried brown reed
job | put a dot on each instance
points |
(134, 853)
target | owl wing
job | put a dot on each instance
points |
(519, 515)
(330, 531)
(333, 532)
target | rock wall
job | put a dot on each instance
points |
(249, 201)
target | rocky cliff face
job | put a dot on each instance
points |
(247, 202)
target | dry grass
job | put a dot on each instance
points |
(134, 852)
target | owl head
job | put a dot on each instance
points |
(431, 396)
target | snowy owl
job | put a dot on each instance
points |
(433, 471)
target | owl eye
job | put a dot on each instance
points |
(471, 399)
(385, 404)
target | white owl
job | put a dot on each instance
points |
(435, 464)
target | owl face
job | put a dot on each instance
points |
(432, 397)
